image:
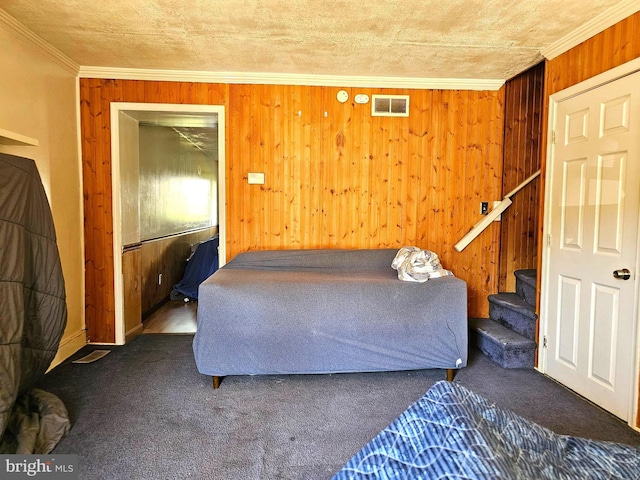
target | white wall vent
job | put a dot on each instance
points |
(390, 105)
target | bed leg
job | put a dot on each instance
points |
(450, 374)
(216, 382)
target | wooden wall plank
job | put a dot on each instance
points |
(309, 203)
(132, 292)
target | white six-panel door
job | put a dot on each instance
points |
(589, 315)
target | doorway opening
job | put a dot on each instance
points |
(146, 208)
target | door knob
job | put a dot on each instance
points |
(623, 274)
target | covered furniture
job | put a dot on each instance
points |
(452, 432)
(33, 310)
(202, 263)
(326, 311)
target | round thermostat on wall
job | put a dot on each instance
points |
(342, 96)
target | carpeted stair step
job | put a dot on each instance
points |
(512, 311)
(526, 285)
(501, 344)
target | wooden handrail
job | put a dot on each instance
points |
(522, 185)
(479, 227)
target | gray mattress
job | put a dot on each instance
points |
(326, 311)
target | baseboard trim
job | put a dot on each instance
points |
(134, 332)
(68, 346)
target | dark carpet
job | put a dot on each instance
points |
(144, 412)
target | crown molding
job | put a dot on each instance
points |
(40, 45)
(593, 27)
(289, 79)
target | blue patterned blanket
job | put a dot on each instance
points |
(454, 433)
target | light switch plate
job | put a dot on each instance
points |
(256, 178)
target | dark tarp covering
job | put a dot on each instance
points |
(201, 265)
(33, 309)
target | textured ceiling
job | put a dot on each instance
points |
(465, 39)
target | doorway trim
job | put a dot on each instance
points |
(116, 108)
(616, 73)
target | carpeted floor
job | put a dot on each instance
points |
(144, 412)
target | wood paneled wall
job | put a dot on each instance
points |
(524, 104)
(351, 180)
(614, 46)
(335, 175)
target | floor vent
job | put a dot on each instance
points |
(390, 105)
(92, 357)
